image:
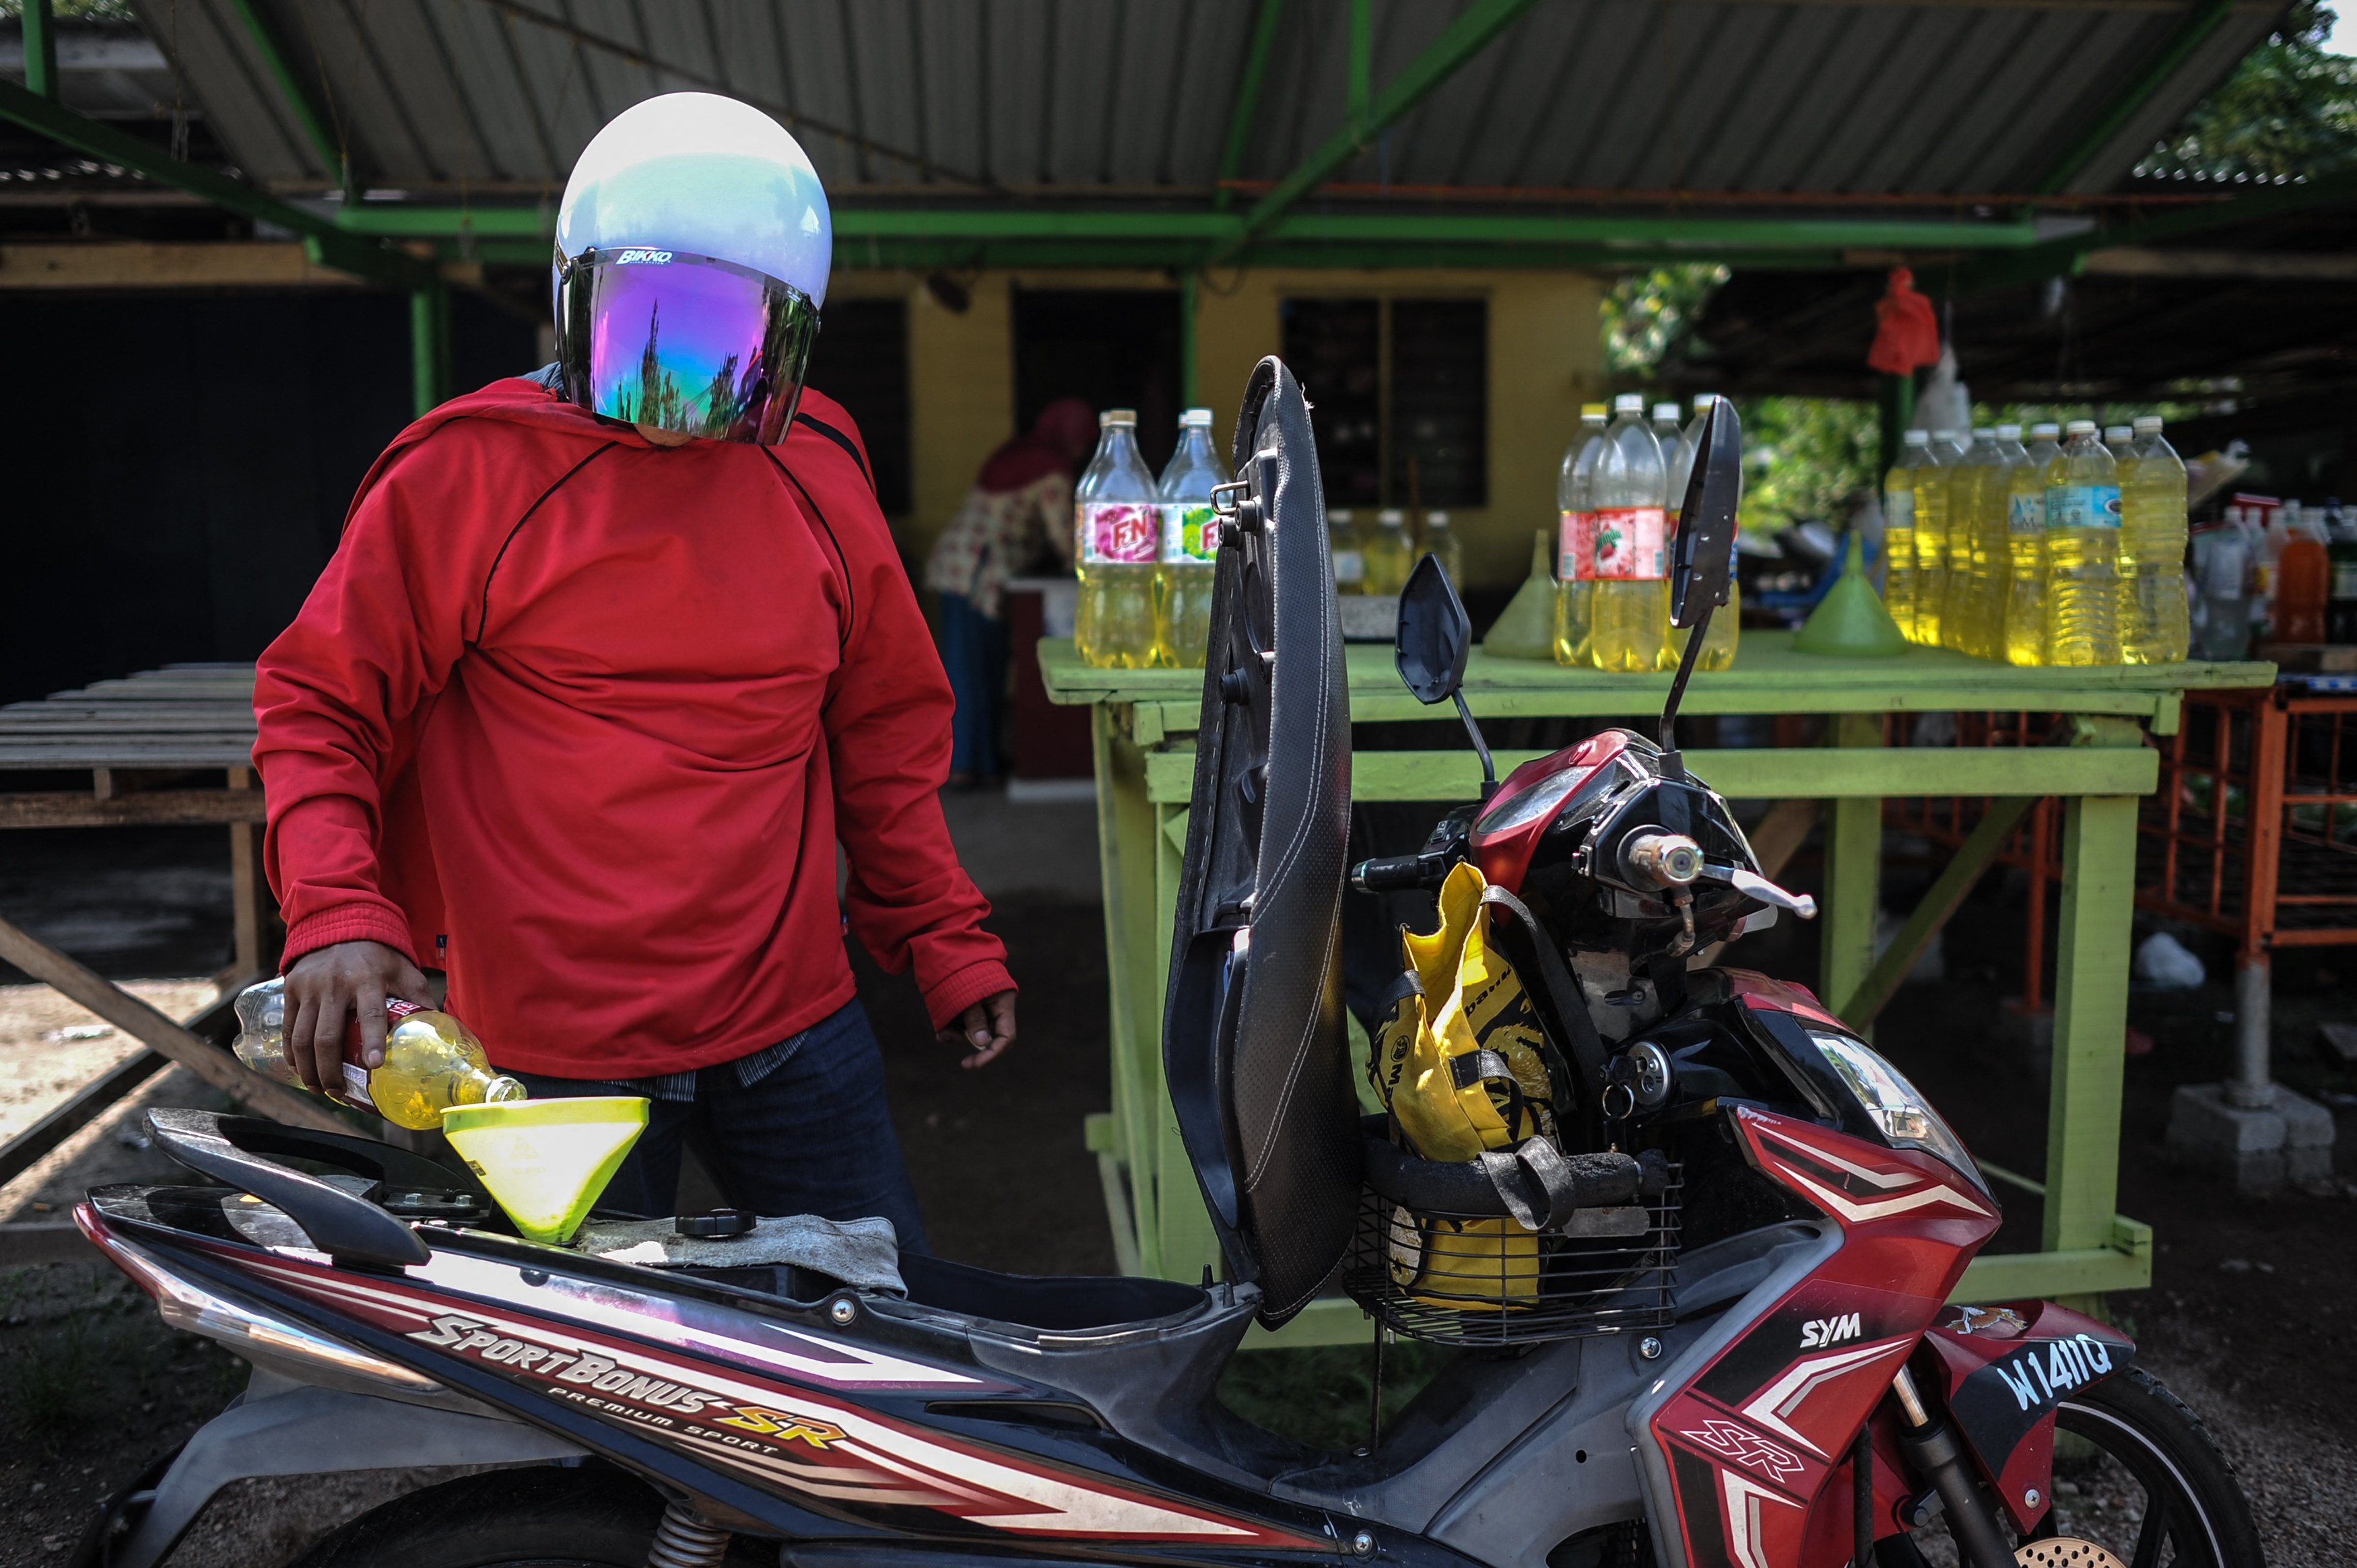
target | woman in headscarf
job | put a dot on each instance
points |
(1022, 497)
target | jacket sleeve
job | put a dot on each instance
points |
(337, 695)
(909, 901)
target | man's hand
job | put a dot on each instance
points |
(986, 1029)
(329, 986)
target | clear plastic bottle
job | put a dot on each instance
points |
(1899, 531)
(1932, 478)
(2341, 555)
(1720, 641)
(1190, 545)
(2024, 526)
(1346, 551)
(2153, 613)
(1574, 555)
(2222, 564)
(1992, 546)
(1978, 471)
(1665, 431)
(2082, 552)
(2303, 581)
(1631, 622)
(1440, 542)
(432, 1061)
(1118, 524)
(1389, 555)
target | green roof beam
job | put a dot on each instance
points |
(1474, 30)
(1363, 65)
(330, 151)
(41, 50)
(1247, 104)
(2204, 18)
(2062, 258)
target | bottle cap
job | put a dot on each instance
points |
(1391, 516)
(2079, 427)
(2008, 432)
(1629, 402)
(2045, 430)
(1702, 401)
(1983, 433)
(1665, 411)
(1947, 435)
(1196, 417)
(1341, 515)
(1436, 518)
(2118, 433)
(2147, 424)
(1917, 437)
(1595, 410)
(1127, 416)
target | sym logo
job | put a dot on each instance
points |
(628, 257)
(1820, 1332)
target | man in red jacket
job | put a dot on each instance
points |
(607, 664)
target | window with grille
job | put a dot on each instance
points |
(1400, 392)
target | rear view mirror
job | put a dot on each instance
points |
(1435, 634)
(1704, 565)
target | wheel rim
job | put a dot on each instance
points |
(2133, 1500)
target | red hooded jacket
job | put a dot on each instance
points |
(580, 720)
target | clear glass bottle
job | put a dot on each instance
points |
(1719, 642)
(1931, 479)
(2025, 522)
(1440, 542)
(1190, 545)
(432, 1061)
(1898, 593)
(1389, 555)
(1631, 622)
(2082, 552)
(1117, 522)
(1575, 575)
(2154, 615)
(1346, 551)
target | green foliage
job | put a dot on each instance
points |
(2291, 109)
(1320, 1396)
(1645, 312)
(1801, 456)
(75, 10)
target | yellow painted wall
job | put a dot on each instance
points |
(1545, 360)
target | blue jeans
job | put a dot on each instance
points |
(810, 1136)
(974, 654)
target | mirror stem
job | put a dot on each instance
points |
(1489, 768)
(1673, 765)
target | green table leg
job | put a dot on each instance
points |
(1853, 873)
(1127, 852)
(1188, 1244)
(2090, 992)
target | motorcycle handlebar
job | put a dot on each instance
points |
(1399, 873)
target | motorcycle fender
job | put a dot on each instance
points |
(283, 1428)
(2006, 1369)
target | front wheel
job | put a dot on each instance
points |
(2144, 1485)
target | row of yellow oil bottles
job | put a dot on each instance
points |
(1377, 562)
(1618, 495)
(2069, 549)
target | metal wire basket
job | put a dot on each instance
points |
(1466, 1279)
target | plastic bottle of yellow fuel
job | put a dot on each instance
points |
(1631, 622)
(1190, 547)
(432, 1061)
(1389, 555)
(1978, 471)
(2082, 552)
(2154, 622)
(1899, 531)
(2025, 522)
(1574, 551)
(1992, 547)
(1117, 522)
(1718, 643)
(1932, 478)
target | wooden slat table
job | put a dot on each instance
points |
(1144, 722)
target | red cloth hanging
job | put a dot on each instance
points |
(1907, 336)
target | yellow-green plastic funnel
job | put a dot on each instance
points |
(1849, 622)
(546, 1160)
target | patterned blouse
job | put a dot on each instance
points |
(996, 534)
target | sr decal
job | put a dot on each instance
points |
(1744, 1446)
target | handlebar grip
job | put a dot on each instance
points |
(1391, 873)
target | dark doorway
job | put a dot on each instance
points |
(1115, 348)
(861, 360)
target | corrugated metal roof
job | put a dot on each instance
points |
(1126, 99)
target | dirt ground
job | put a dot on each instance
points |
(2250, 1316)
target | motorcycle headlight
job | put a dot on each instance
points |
(1895, 1106)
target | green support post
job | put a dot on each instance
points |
(429, 347)
(41, 50)
(1853, 873)
(1247, 103)
(1362, 64)
(2090, 992)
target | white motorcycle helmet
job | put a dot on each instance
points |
(691, 256)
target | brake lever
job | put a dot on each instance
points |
(1751, 884)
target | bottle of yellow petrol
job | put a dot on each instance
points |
(2025, 523)
(1964, 619)
(1117, 519)
(2155, 624)
(1718, 643)
(432, 1061)
(1389, 555)
(1898, 584)
(1190, 547)
(2082, 552)
(1575, 553)
(1629, 625)
(1932, 478)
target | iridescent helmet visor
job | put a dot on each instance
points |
(683, 342)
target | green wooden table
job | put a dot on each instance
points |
(1145, 720)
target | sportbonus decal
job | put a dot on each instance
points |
(789, 1439)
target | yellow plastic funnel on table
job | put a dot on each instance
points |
(546, 1161)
